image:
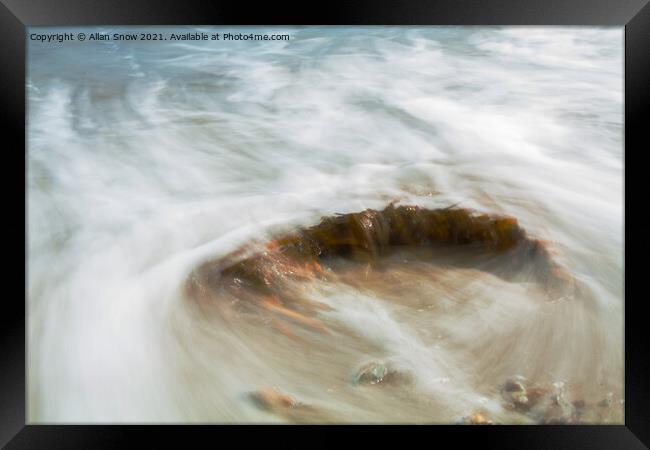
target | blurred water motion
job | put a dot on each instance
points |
(153, 168)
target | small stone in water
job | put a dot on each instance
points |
(371, 373)
(272, 399)
(513, 386)
(579, 404)
(605, 403)
(476, 419)
(514, 392)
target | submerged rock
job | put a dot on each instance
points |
(371, 373)
(262, 281)
(544, 404)
(285, 406)
(367, 235)
(556, 410)
(273, 400)
(376, 372)
(476, 418)
(516, 394)
(607, 401)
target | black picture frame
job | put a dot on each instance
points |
(16, 15)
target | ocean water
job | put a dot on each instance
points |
(147, 159)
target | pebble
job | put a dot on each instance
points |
(515, 392)
(273, 399)
(476, 419)
(371, 373)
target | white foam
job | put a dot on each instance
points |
(146, 160)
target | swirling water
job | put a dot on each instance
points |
(146, 159)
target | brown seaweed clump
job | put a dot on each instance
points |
(259, 282)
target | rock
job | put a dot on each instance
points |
(543, 404)
(273, 399)
(371, 373)
(556, 410)
(579, 404)
(476, 419)
(516, 394)
(555, 403)
(285, 406)
(607, 401)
